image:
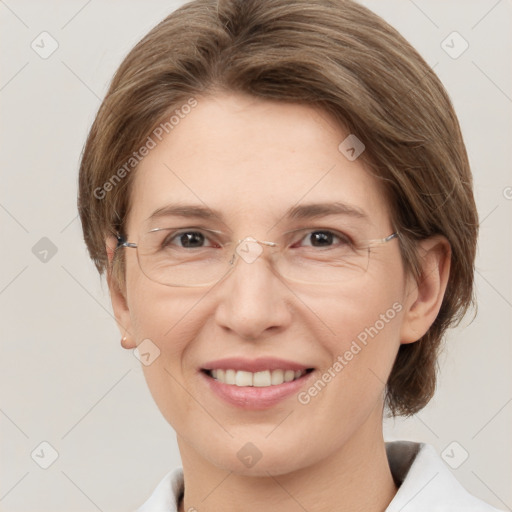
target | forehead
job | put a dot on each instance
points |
(250, 158)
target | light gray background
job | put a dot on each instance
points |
(65, 378)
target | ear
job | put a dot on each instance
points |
(424, 298)
(118, 298)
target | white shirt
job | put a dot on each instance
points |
(426, 484)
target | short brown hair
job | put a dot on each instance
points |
(333, 54)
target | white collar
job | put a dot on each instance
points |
(426, 484)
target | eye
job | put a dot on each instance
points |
(325, 238)
(188, 240)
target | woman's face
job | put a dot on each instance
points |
(252, 161)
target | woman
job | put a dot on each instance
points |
(280, 196)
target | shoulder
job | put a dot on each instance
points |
(426, 483)
(167, 494)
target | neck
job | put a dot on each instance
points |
(354, 478)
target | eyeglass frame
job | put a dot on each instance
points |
(123, 242)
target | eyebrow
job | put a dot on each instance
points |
(297, 212)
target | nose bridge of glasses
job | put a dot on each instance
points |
(249, 249)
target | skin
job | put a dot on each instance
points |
(252, 159)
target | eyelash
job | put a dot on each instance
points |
(344, 239)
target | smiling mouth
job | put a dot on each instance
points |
(260, 379)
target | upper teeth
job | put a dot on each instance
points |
(257, 379)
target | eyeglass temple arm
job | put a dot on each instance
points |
(122, 242)
(390, 237)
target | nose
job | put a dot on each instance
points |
(253, 300)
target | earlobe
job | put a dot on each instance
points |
(118, 298)
(425, 297)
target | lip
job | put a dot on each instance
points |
(251, 397)
(253, 365)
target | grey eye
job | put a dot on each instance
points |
(187, 239)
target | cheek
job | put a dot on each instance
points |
(362, 340)
(361, 311)
(167, 319)
(155, 310)
(164, 315)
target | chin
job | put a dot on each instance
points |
(258, 459)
